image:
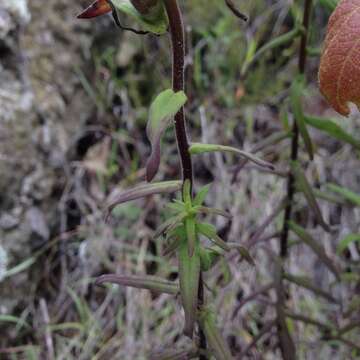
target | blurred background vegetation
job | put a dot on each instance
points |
(74, 99)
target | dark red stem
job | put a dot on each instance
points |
(178, 47)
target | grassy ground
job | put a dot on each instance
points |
(115, 77)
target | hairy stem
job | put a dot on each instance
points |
(178, 73)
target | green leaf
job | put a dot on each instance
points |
(207, 321)
(174, 243)
(214, 211)
(163, 108)
(329, 4)
(346, 241)
(189, 273)
(201, 195)
(141, 282)
(243, 252)
(198, 148)
(170, 224)
(347, 194)
(305, 187)
(191, 235)
(272, 44)
(176, 207)
(209, 231)
(296, 92)
(331, 128)
(14, 320)
(209, 258)
(144, 190)
(318, 249)
(226, 272)
(154, 21)
(306, 283)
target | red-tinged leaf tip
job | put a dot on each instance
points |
(98, 8)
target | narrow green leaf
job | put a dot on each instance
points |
(170, 224)
(67, 326)
(209, 231)
(215, 341)
(190, 226)
(318, 249)
(296, 92)
(331, 128)
(308, 320)
(20, 267)
(328, 197)
(176, 207)
(208, 257)
(154, 21)
(305, 187)
(306, 283)
(272, 44)
(189, 273)
(226, 272)
(329, 4)
(163, 108)
(214, 211)
(174, 243)
(14, 320)
(141, 282)
(346, 241)
(285, 339)
(198, 148)
(347, 194)
(201, 195)
(313, 51)
(143, 190)
(243, 252)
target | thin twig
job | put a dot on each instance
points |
(295, 137)
(286, 343)
(235, 11)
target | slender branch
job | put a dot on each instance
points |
(176, 27)
(286, 343)
(235, 11)
(295, 136)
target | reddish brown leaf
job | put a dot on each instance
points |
(99, 7)
(339, 73)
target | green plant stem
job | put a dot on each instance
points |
(286, 343)
(178, 73)
(295, 137)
